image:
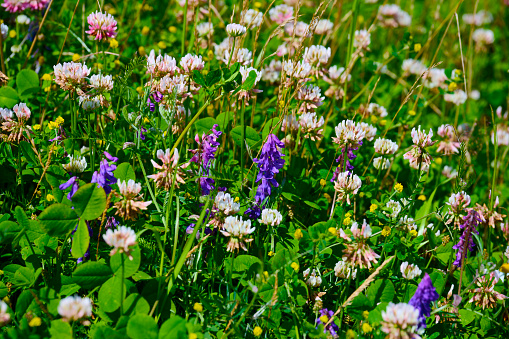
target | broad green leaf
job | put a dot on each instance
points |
(443, 253)
(109, 294)
(130, 266)
(89, 201)
(466, 316)
(175, 327)
(23, 277)
(204, 125)
(28, 152)
(136, 304)
(27, 82)
(271, 126)
(250, 81)
(382, 290)
(60, 329)
(21, 218)
(142, 326)
(124, 172)
(213, 77)
(80, 240)
(251, 136)
(223, 119)
(359, 304)
(199, 78)
(424, 210)
(8, 97)
(8, 231)
(242, 264)
(91, 274)
(58, 220)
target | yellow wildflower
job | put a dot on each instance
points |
(75, 57)
(198, 307)
(504, 268)
(46, 77)
(365, 314)
(295, 266)
(383, 122)
(12, 33)
(366, 328)
(417, 47)
(422, 197)
(257, 331)
(266, 274)
(386, 231)
(161, 44)
(347, 221)
(141, 51)
(258, 4)
(323, 182)
(271, 254)
(360, 19)
(113, 43)
(53, 125)
(398, 187)
(438, 161)
(172, 29)
(193, 336)
(324, 318)
(413, 233)
(350, 334)
(59, 120)
(374, 119)
(50, 197)
(146, 120)
(328, 197)
(145, 30)
(47, 89)
(373, 208)
(36, 127)
(236, 199)
(35, 322)
(210, 54)
(452, 86)
(333, 231)
(298, 234)
(412, 112)
(139, 89)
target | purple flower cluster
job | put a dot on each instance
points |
(469, 226)
(341, 159)
(332, 328)
(269, 163)
(105, 178)
(206, 152)
(422, 299)
(157, 97)
(73, 183)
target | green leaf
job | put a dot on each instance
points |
(223, 119)
(213, 77)
(21, 218)
(251, 136)
(359, 304)
(8, 97)
(130, 266)
(204, 125)
(443, 253)
(109, 294)
(424, 210)
(270, 127)
(27, 82)
(242, 264)
(81, 240)
(28, 152)
(382, 290)
(58, 220)
(142, 326)
(60, 329)
(124, 172)
(199, 78)
(250, 81)
(175, 327)
(8, 231)
(89, 201)
(136, 304)
(24, 276)
(466, 316)
(91, 274)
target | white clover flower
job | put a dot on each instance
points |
(289, 123)
(502, 136)
(253, 18)
(22, 19)
(349, 133)
(483, 36)
(311, 96)
(89, 103)
(394, 208)
(480, 18)
(313, 279)
(243, 56)
(101, 82)
(380, 163)
(190, 63)
(408, 223)
(5, 114)
(204, 29)
(336, 72)
(239, 232)
(376, 109)
(347, 184)
(270, 217)
(76, 164)
(506, 253)
(299, 70)
(324, 26)
(458, 97)
(311, 126)
(412, 66)
(244, 71)
(317, 54)
(420, 138)
(391, 15)
(281, 13)
(235, 30)
(400, 321)
(343, 270)
(369, 131)
(122, 240)
(435, 78)
(70, 75)
(385, 146)
(226, 204)
(299, 29)
(74, 308)
(362, 39)
(449, 172)
(161, 65)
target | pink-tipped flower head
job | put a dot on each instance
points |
(161, 65)
(190, 63)
(102, 83)
(14, 6)
(458, 203)
(17, 128)
(73, 308)
(385, 146)
(311, 126)
(450, 144)
(357, 251)
(37, 5)
(346, 185)
(123, 239)
(169, 172)
(5, 317)
(317, 55)
(349, 133)
(409, 271)
(71, 75)
(421, 139)
(239, 232)
(281, 13)
(131, 203)
(311, 97)
(101, 25)
(485, 295)
(235, 30)
(400, 321)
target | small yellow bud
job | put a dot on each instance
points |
(47, 89)
(271, 254)
(386, 231)
(139, 89)
(50, 197)
(53, 125)
(161, 44)
(366, 328)
(46, 77)
(298, 234)
(295, 266)
(112, 10)
(333, 230)
(398, 187)
(323, 182)
(172, 29)
(374, 119)
(365, 314)
(75, 57)
(258, 4)
(12, 33)
(438, 161)
(210, 54)
(422, 197)
(347, 221)
(350, 334)
(35, 322)
(361, 195)
(145, 30)
(113, 43)
(198, 307)
(36, 127)
(146, 120)
(360, 19)
(221, 25)
(412, 112)
(265, 274)
(383, 122)
(257, 331)
(281, 104)
(348, 215)
(413, 233)
(328, 197)
(41, 60)
(193, 336)
(141, 51)
(417, 48)
(117, 62)
(504, 268)
(452, 86)
(324, 318)
(373, 208)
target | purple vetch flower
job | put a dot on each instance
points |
(140, 133)
(73, 183)
(105, 178)
(341, 159)
(325, 315)
(269, 164)
(466, 239)
(206, 152)
(423, 297)
(157, 97)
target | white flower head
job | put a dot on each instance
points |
(409, 271)
(270, 217)
(313, 278)
(74, 308)
(235, 30)
(76, 164)
(122, 240)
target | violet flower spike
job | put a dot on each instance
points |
(105, 178)
(73, 183)
(422, 299)
(466, 239)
